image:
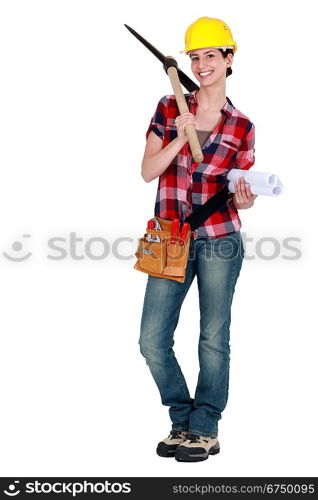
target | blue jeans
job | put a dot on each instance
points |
(216, 263)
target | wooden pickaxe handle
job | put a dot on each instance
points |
(183, 108)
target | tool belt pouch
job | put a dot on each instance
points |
(162, 258)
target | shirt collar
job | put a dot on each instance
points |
(227, 108)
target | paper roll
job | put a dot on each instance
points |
(255, 189)
(253, 178)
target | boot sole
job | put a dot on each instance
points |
(164, 451)
(183, 456)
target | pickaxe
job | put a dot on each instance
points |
(177, 77)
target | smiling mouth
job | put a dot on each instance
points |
(205, 74)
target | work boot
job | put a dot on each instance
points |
(168, 446)
(197, 448)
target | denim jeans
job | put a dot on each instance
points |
(216, 263)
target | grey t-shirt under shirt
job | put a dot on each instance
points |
(203, 136)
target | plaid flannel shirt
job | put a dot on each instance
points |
(185, 182)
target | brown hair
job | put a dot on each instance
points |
(224, 54)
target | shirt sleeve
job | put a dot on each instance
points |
(159, 120)
(245, 158)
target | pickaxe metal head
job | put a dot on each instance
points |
(184, 79)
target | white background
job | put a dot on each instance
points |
(77, 94)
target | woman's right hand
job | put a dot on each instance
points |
(181, 121)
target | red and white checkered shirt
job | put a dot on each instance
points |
(185, 182)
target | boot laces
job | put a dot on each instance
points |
(193, 438)
(175, 434)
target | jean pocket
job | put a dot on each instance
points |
(228, 247)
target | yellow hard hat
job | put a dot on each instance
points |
(208, 32)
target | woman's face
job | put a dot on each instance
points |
(208, 65)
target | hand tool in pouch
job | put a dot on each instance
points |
(168, 257)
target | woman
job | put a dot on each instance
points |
(216, 250)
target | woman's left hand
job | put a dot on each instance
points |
(243, 196)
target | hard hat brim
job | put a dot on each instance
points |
(234, 47)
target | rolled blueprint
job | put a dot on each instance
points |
(255, 189)
(260, 182)
(254, 178)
